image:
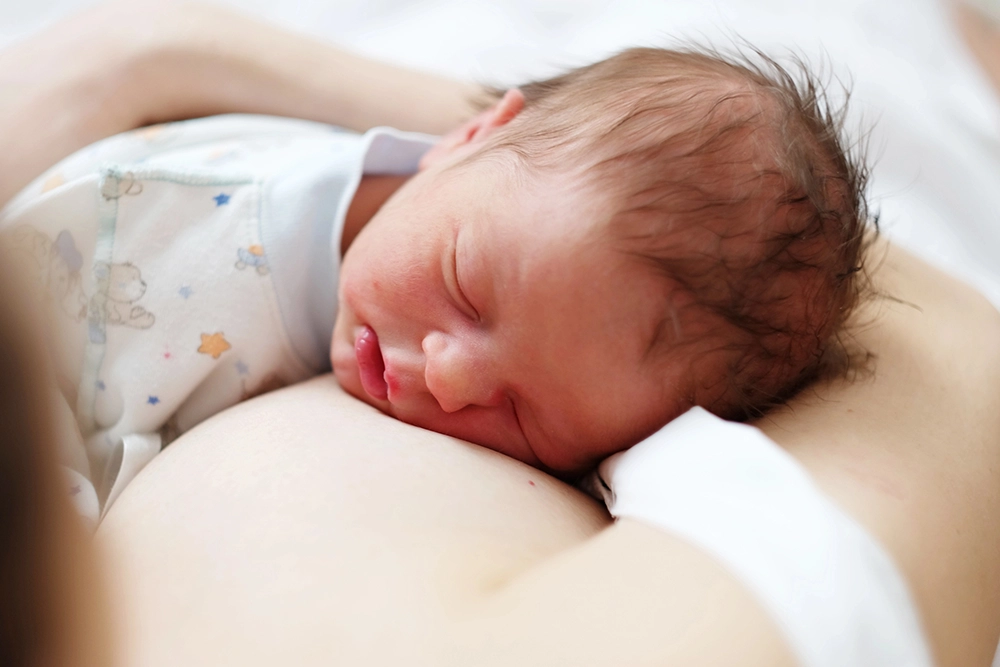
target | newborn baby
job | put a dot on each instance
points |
(558, 278)
(599, 252)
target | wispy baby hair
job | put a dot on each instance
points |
(729, 174)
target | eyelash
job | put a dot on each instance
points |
(462, 298)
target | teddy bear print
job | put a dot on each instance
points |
(54, 266)
(119, 286)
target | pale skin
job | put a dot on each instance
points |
(381, 543)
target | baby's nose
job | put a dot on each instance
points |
(459, 372)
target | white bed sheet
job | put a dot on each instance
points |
(936, 120)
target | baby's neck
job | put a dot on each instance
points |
(372, 192)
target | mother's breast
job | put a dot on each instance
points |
(306, 527)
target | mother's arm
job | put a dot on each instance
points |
(128, 64)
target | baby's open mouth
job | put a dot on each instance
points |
(371, 365)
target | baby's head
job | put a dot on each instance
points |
(596, 253)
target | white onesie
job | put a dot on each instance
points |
(188, 267)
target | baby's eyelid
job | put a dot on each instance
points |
(462, 297)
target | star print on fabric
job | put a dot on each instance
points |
(214, 344)
(185, 292)
(221, 199)
(242, 368)
(153, 400)
(100, 385)
(75, 490)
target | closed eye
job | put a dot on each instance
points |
(462, 300)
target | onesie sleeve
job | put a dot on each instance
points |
(726, 488)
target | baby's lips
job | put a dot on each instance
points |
(371, 365)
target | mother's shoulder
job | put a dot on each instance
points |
(947, 309)
(933, 331)
(911, 446)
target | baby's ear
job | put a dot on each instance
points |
(477, 129)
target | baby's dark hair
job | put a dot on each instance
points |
(729, 174)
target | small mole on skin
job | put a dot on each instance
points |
(530, 482)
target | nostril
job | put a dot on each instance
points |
(448, 405)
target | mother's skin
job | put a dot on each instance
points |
(305, 528)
